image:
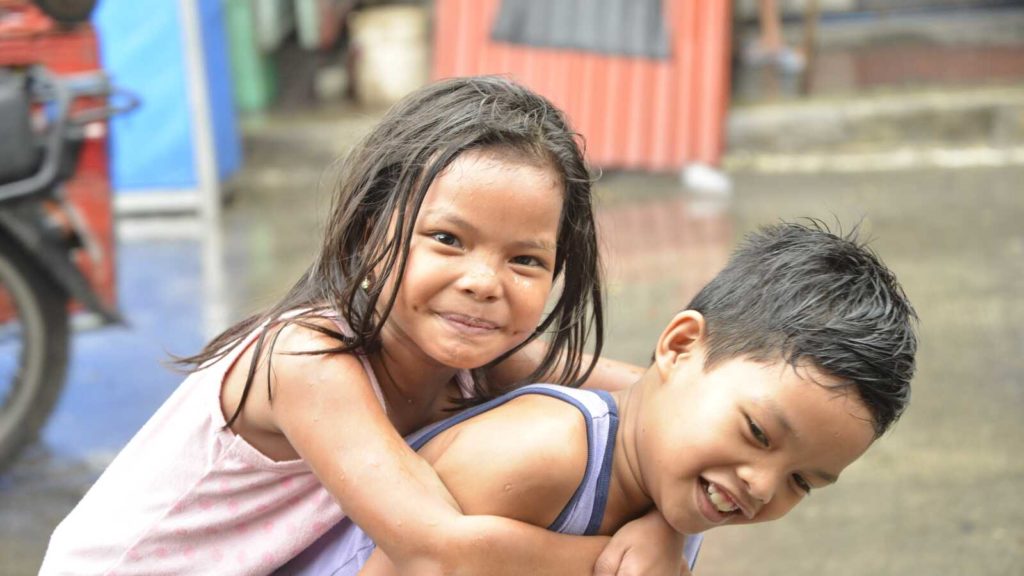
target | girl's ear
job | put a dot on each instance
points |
(681, 340)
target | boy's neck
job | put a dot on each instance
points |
(627, 495)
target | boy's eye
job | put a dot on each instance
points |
(758, 433)
(445, 238)
(803, 484)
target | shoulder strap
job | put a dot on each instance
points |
(584, 511)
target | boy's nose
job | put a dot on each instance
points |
(761, 485)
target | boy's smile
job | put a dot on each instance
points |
(719, 501)
(741, 442)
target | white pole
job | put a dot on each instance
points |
(214, 307)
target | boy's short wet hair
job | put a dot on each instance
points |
(799, 292)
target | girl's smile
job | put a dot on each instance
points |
(469, 324)
(481, 261)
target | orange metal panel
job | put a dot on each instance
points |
(635, 113)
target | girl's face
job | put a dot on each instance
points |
(481, 261)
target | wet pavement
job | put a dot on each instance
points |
(937, 495)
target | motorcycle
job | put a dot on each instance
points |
(42, 131)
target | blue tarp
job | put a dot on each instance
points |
(142, 50)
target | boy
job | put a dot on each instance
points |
(782, 371)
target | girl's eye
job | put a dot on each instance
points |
(803, 484)
(528, 261)
(445, 238)
(758, 433)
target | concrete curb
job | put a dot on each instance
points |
(877, 161)
(987, 117)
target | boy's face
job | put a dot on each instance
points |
(744, 441)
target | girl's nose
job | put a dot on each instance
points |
(480, 280)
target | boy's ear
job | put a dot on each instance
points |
(681, 340)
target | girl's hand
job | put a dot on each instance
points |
(647, 545)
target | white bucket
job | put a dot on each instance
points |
(390, 52)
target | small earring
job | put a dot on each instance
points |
(365, 284)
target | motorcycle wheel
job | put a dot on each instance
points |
(33, 349)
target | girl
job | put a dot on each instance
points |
(452, 221)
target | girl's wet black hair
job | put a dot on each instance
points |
(385, 178)
(803, 294)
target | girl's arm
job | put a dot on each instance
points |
(505, 464)
(577, 558)
(325, 407)
(606, 560)
(608, 374)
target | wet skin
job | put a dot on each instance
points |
(763, 434)
(479, 271)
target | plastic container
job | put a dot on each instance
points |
(253, 74)
(391, 46)
(274, 20)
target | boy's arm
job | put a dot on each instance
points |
(327, 410)
(608, 374)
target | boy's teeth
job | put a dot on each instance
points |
(721, 501)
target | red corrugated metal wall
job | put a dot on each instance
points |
(635, 113)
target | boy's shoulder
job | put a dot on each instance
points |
(523, 459)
